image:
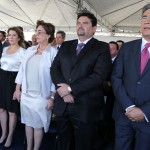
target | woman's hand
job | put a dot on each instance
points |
(17, 95)
(50, 104)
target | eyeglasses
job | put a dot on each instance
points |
(39, 32)
(145, 18)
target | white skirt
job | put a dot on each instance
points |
(34, 111)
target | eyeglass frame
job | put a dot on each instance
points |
(39, 32)
(145, 18)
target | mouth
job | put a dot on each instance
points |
(146, 27)
(80, 29)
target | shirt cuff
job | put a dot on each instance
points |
(146, 118)
(129, 107)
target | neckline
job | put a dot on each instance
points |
(41, 51)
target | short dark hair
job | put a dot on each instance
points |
(146, 7)
(63, 34)
(89, 15)
(113, 42)
(4, 33)
(20, 35)
(48, 27)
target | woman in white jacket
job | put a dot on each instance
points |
(36, 100)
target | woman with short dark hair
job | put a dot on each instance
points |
(34, 78)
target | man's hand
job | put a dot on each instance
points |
(63, 89)
(135, 114)
(68, 98)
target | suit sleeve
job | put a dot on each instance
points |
(55, 70)
(117, 81)
(146, 110)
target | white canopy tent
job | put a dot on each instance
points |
(115, 17)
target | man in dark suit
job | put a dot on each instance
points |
(131, 85)
(106, 126)
(60, 38)
(78, 77)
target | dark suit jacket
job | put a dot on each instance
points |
(5, 44)
(131, 88)
(1, 49)
(85, 74)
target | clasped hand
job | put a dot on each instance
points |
(63, 92)
(135, 114)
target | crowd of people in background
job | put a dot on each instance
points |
(99, 91)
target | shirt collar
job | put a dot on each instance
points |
(143, 44)
(84, 41)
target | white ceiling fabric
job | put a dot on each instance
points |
(113, 15)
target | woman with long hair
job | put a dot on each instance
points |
(10, 61)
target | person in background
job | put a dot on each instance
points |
(114, 49)
(3, 39)
(37, 97)
(1, 49)
(60, 38)
(108, 123)
(34, 41)
(78, 72)
(130, 82)
(120, 42)
(10, 61)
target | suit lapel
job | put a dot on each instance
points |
(84, 50)
(73, 51)
(137, 58)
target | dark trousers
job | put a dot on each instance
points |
(128, 137)
(73, 133)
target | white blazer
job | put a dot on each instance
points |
(46, 85)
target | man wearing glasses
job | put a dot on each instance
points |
(131, 84)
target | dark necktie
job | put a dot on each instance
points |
(79, 47)
(144, 57)
(58, 48)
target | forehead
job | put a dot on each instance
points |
(58, 35)
(40, 27)
(113, 45)
(84, 19)
(147, 13)
(12, 32)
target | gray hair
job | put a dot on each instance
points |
(146, 7)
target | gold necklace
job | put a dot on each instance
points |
(41, 51)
